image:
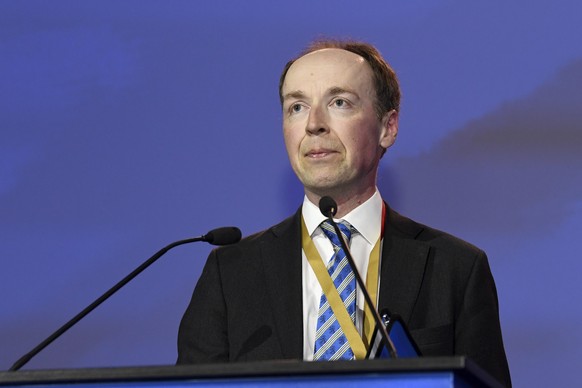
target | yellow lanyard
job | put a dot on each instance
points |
(372, 287)
(359, 346)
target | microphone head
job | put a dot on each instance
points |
(223, 236)
(327, 206)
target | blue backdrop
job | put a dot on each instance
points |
(127, 125)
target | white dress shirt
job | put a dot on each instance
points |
(367, 219)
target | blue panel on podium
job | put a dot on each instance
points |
(411, 372)
(428, 380)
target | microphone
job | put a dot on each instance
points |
(219, 236)
(328, 208)
(223, 236)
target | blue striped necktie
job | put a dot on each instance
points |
(330, 340)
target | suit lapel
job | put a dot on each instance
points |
(281, 257)
(403, 264)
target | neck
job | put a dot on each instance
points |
(346, 201)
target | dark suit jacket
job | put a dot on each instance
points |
(247, 304)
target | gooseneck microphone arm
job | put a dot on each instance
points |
(219, 236)
(328, 208)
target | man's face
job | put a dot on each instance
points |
(333, 135)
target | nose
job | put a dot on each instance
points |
(317, 121)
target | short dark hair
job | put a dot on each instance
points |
(384, 78)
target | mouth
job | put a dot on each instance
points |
(319, 153)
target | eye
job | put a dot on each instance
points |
(340, 103)
(296, 108)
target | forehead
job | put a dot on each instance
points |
(328, 68)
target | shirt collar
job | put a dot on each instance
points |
(366, 218)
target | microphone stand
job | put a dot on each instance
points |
(216, 237)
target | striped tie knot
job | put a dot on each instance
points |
(345, 228)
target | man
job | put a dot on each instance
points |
(260, 299)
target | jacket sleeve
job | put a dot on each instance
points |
(477, 327)
(202, 336)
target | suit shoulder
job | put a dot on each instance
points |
(439, 238)
(253, 242)
(443, 241)
(274, 231)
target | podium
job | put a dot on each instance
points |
(412, 372)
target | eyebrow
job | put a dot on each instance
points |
(295, 94)
(298, 94)
(339, 90)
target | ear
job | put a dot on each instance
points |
(389, 129)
